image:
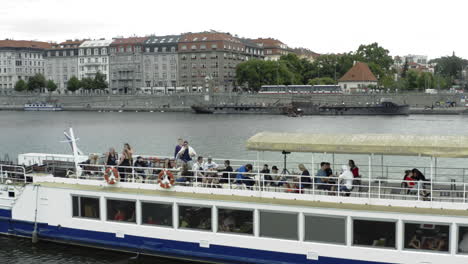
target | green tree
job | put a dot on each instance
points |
(36, 82)
(450, 66)
(100, 81)
(21, 86)
(412, 80)
(405, 69)
(73, 84)
(425, 80)
(51, 86)
(321, 81)
(87, 83)
(255, 73)
(388, 81)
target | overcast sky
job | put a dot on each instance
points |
(427, 27)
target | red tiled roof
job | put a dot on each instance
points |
(360, 72)
(72, 42)
(24, 44)
(131, 40)
(268, 42)
(207, 36)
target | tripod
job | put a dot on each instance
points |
(285, 170)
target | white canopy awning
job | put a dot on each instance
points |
(402, 145)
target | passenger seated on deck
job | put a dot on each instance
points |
(346, 178)
(266, 175)
(140, 163)
(242, 176)
(306, 181)
(87, 165)
(227, 176)
(322, 178)
(184, 175)
(463, 245)
(420, 178)
(409, 182)
(198, 169)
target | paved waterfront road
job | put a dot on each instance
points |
(149, 133)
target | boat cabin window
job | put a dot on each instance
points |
(463, 240)
(122, 211)
(278, 225)
(85, 207)
(427, 236)
(374, 233)
(195, 217)
(235, 221)
(156, 214)
(325, 229)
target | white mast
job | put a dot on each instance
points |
(75, 153)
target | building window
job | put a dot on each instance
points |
(121, 49)
(325, 229)
(278, 225)
(122, 211)
(214, 46)
(86, 207)
(81, 52)
(88, 51)
(183, 47)
(173, 49)
(129, 48)
(156, 213)
(164, 49)
(374, 233)
(194, 47)
(427, 236)
(103, 51)
(195, 217)
(96, 51)
(202, 46)
(463, 240)
(235, 221)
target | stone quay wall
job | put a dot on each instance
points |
(183, 101)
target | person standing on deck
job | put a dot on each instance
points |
(305, 177)
(354, 169)
(186, 153)
(111, 157)
(180, 143)
(126, 160)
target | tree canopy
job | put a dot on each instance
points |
(36, 82)
(73, 84)
(51, 86)
(21, 86)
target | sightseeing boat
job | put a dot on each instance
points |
(238, 109)
(53, 197)
(42, 107)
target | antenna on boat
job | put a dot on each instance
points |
(76, 152)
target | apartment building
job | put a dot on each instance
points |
(61, 62)
(160, 62)
(126, 64)
(93, 57)
(19, 60)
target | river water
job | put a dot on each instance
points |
(221, 136)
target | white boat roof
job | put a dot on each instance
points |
(386, 144)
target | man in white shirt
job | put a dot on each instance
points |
(210, 165)
(198, 167)
(346, 179)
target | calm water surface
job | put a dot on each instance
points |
(156, 133)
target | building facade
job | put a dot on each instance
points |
(126, 64)
(358, 79)
(61, 62)
(273, 48)
(210, 59)
(19, 60)
(160, 62)
(93, 57)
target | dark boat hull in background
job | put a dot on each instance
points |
(238, 109)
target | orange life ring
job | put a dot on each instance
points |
(115, 175)
(170, 176)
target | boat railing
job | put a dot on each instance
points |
(362, 187)
(12, 174)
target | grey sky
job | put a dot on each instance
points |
(433, 28)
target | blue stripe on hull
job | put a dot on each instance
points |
(170, 248)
